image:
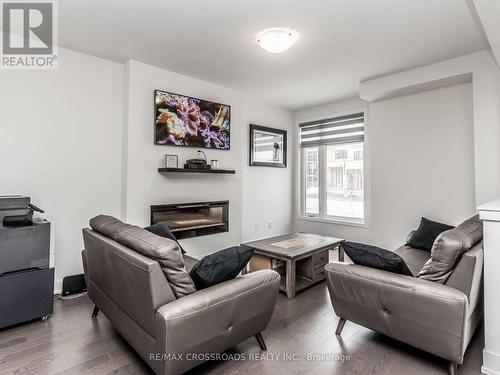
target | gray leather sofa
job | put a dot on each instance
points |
(133, 293)
(438, 318)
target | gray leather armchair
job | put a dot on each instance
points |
(133, 293)
(437, 318)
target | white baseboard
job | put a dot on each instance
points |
(491, 363)
(487, 371)
(58, 286)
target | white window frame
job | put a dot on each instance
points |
(322, 216)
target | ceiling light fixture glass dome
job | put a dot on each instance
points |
(276, 40)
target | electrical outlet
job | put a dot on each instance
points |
(269, 225)
(256, 227)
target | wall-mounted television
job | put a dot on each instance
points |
(190, 122)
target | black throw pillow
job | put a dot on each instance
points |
(220, 266)
(375, 257)
(162, 230)
(426, 234)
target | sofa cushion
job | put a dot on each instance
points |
(414, 258)
(162, 230)
(449, 248)
(163, 250)
(375, 257)
(221, 266)
(426, 233)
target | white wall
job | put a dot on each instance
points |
(421, 160)
(60, 134)
(266, 194)
(145, 186)
(481, 68)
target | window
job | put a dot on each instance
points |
(333, 168)
(358, 155)
(341, 154)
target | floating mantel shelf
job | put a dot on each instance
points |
(185, 170)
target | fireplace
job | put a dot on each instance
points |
(187, 220)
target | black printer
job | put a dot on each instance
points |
(26, 279)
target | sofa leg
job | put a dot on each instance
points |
(340, 326)
(261, 342)
(453, 368)
(95, 312)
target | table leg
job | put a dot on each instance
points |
(341, 253)
(290, 279)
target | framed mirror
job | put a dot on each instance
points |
(268, 147)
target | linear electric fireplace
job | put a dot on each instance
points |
(187, 220)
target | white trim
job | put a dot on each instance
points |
(491, 363)
(487, 371)
(367, 170)
(335, 220)
(322, 194)
(58, 286)
(322, 217)
(490, 211)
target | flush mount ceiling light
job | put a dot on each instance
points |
(276, 40)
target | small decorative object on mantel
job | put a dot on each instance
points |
(214, 164)
(268, 147)
(198, 162)
(171, 161)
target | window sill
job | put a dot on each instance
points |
(336, 221)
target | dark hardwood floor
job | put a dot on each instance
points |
(70, 342)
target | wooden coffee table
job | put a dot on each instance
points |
(299, 257)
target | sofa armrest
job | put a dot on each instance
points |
(432, 304)
(241, 307)
(220, 293)
(424, 314)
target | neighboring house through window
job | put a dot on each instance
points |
(332, 168)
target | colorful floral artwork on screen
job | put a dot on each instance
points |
(185, 121)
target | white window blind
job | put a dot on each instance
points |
(342, 129)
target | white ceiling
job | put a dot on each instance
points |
(341, 41)
(489, 15)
